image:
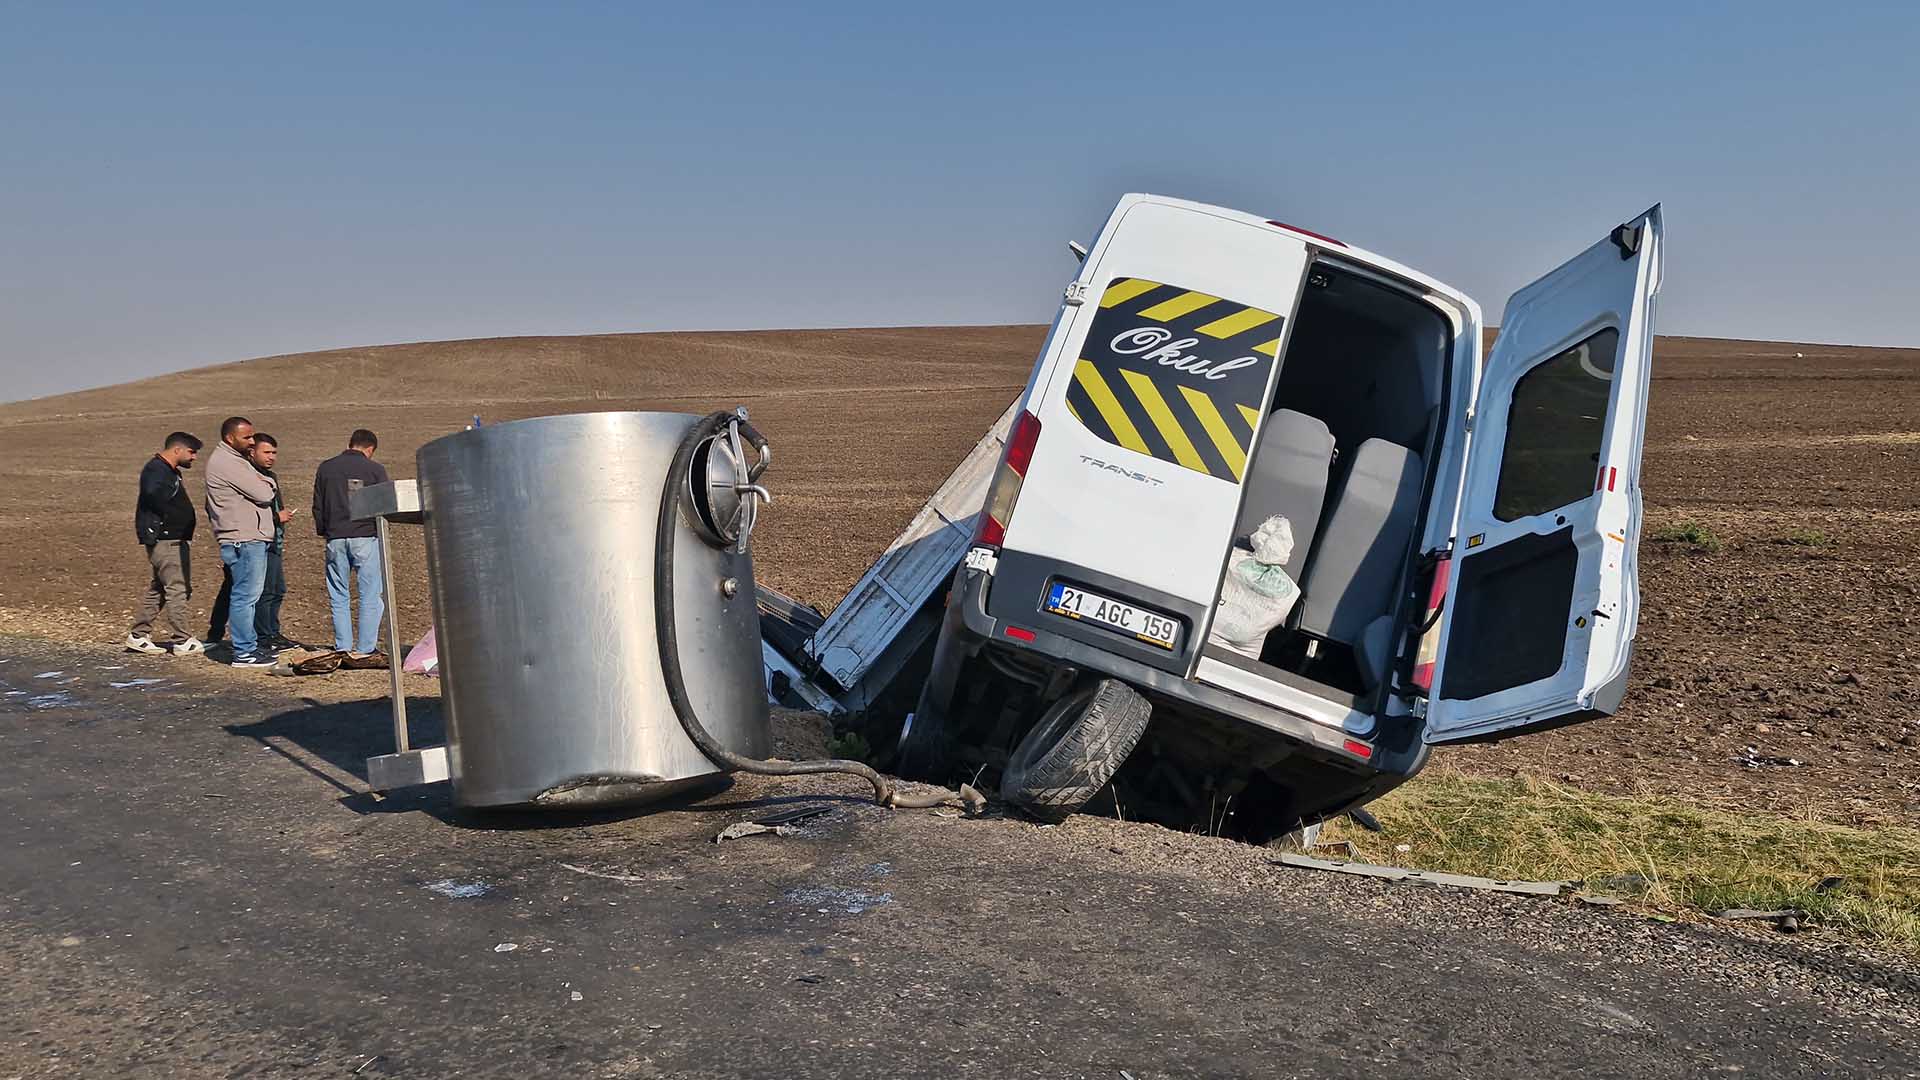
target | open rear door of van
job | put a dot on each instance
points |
(1148, 415)
(1543, 601)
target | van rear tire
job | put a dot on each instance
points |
(1077, 746)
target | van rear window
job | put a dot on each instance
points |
(1175, 374)
(1554, 428)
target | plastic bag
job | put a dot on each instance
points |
(1257, 594)
(424, 657)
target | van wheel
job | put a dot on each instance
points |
(1075, 748)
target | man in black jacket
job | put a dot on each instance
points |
(352, 549)
(163, 521)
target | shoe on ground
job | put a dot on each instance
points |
(253, 660)
(141, 643)
(189, 647)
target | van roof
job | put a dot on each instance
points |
(1326, 244)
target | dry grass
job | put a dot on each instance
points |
(1664, 853)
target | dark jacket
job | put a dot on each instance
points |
(346, 472)
(163, 511)
(279, 504)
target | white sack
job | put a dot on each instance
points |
(1257, 594)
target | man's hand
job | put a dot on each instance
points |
(287, 515)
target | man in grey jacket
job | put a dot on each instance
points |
(240, 510)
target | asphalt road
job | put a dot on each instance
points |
(193, 884)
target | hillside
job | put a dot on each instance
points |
(1795, 636)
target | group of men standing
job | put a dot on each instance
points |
(247, 511)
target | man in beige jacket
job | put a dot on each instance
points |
(240, 511)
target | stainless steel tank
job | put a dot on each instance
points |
(540, 553)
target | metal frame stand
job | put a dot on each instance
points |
(398, 501)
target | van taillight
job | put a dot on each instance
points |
(1430, 623)
(1005, 491)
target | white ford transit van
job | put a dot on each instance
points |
(1465, 527)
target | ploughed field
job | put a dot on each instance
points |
(1778, 664)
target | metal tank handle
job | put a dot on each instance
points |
(746, 479)
(665, 622)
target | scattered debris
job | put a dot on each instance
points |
(779, 823)
(505, 946)
(364, 1064)
(50, 701)
(459, 890)
(136, 682)
(576, 996)
(1631, 883)
(49, 674)
(1596, 900)
(809, 979)
(750, 828)
(1828, 884)
(1786, 920)
(630, 879)
(793, 815)
(1427, 877)
(1752, 758)
(824, 898)
(69, 942)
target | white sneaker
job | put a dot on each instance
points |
(141, 643)
(191, 647)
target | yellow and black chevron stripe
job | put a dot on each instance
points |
(1170, 410)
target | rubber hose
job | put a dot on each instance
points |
(678, 474)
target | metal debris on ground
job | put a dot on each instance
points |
(1787, 920)
(793, 814)
(505, 946)
(1427, 877)
(630, 879)
(750, 828)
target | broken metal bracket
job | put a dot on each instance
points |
(1427, 877)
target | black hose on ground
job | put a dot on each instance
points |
(677, 488)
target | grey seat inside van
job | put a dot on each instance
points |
(1288, 476)
(1356, 566)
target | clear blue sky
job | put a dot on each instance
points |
(185, 187)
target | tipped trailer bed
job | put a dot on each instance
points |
(873, 649)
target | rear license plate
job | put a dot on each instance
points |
(1126, 619)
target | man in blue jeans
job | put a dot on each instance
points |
(352, 549)
(240, 508)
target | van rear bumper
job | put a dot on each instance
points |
(967, 614)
